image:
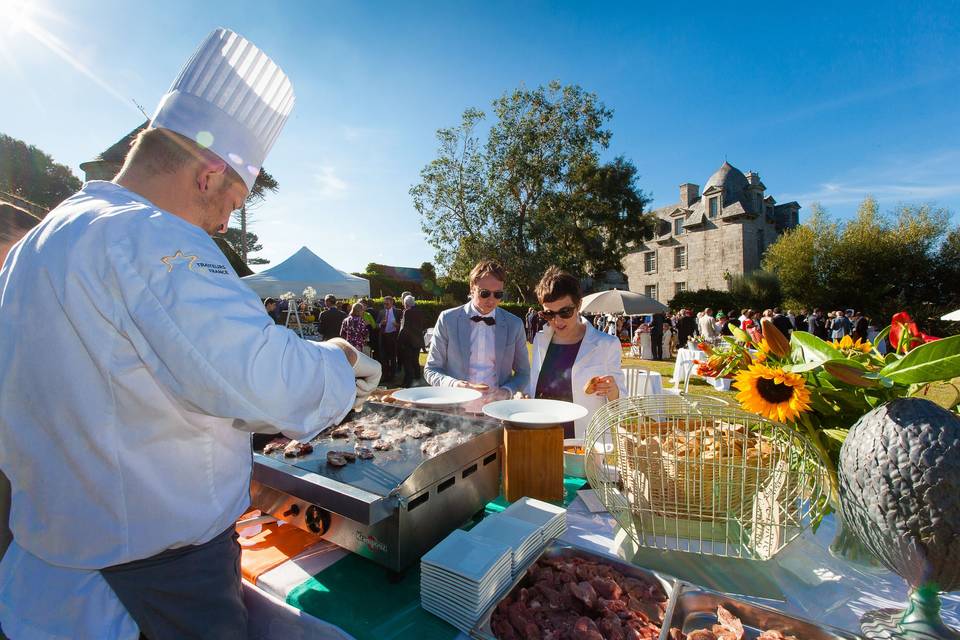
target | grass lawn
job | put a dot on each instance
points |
(663, 367)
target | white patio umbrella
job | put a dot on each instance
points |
(626, 302)
(953, 315)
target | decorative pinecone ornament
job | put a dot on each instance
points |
(900, 495)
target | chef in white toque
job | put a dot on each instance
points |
(134, 364)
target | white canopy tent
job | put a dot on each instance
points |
(306, 269)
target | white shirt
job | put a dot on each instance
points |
(134, 364)
(483, 357)
(390, 316)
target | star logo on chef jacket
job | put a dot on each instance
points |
(171, 261)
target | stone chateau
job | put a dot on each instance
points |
(725, 229)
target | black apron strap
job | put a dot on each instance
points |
(185, 593)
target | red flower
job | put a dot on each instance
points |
(904, 334)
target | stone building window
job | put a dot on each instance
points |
(679, 287)
(650, 291)
(714, 206)
(650, 261)
(680, 258)
(678, 226)
(760, 243)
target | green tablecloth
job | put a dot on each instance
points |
(356, 595)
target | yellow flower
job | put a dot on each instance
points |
(772, 392)
(847, 343)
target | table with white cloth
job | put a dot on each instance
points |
(686, 355)
(804, 578)
(641, 382)
(646, 347)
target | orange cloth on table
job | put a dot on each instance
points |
(270, 548)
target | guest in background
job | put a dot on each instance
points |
(707, 325)
(686, 327)
(270, 304)
(410, 340)
(782, 322)
(353, 329)
(369, 316)
(389, 321)
(479, 345)
(656, 335)
(569, 353)
(860, 327)
(722, 326)
(331, 319)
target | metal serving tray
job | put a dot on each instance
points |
(696, 608)
(555, 548)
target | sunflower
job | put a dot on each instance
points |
(763, 352)
(772, 392)
(847, 344)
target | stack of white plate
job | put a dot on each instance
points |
(462, 576)
(523, 537)
(551, 519)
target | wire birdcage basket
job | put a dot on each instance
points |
(692, 473)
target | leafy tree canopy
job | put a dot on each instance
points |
(534, 193)
(31, 174)
(877, 262)
(238, 242)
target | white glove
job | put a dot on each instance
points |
(367, 371)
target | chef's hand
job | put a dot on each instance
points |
(367, 371)
(347, 349)
(606, 386)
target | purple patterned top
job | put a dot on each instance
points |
(355, 331)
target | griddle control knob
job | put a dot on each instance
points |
(317, 519)
(293, 511)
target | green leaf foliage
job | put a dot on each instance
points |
(534, 192)
(813, 348)
(937, 360)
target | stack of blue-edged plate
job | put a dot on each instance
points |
(523, 537)
(550, 519)
(462, 576)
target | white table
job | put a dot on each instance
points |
(642, 382)
(685, 355)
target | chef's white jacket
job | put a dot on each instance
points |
(134, 364)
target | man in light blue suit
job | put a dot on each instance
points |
(478, 345)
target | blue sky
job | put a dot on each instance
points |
(828, 102)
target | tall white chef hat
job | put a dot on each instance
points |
(230, 98)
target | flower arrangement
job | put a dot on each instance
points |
(822, 388)
(309, 295)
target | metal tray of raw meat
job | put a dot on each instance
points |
(670, 585)
(696, 608)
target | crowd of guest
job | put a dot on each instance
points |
(394, 336)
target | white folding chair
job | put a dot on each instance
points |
(686, 370)
(637, 381)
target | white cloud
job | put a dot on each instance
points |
(328, 185)
(934, 177)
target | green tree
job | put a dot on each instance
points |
(29, 173)
(876, 262)
(535, 193)
(263, 185)
(244, 244)
(755, 290)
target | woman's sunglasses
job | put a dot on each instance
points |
(566, 313)
(486, 293)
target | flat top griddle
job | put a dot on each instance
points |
(388, 470)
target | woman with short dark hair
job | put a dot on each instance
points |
(572, 361)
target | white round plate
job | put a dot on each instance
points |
(436, 396)
(535, 412)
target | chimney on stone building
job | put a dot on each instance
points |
(689, 193)
(753, 178)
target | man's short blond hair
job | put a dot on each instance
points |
(486, 268)
(165, 151)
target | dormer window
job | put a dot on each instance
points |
(714, 205)
(678, 226)
(758, 198)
